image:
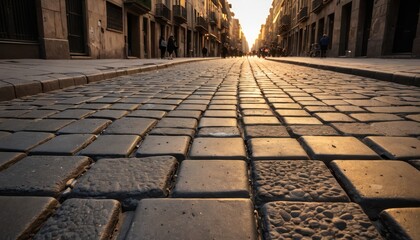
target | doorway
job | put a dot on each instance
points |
(330, 33)
(345, 29)
(133, 40)
(75, 10)
(366, 19)
(153, 43)
(145, 37)
(406, 27)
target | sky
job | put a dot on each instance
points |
(251, 14)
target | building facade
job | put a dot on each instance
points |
(356, 28)
(63, 29)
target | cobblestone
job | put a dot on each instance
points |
(401, 223)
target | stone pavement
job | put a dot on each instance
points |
(223, 149)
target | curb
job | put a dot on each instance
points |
(10, 90)
(400, 78)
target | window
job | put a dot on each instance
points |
(114, 17)
(18, 20)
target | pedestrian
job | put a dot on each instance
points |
(323, 44)
(162, 47)
(176, 47)
(224, 51)
(204, 51)
(171, 47)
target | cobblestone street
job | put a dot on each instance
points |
(241, 148)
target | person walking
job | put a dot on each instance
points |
(323, 44)
(171, 47)
(204, 51)
(176, 47)
(162, 47)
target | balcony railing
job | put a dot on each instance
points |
(163, 12)
(139, 6)
(213, 19)
(303, 14)
(317, 5)
(202, 24)
(284, 24)
(180, 14)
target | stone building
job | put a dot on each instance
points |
(371, 28)
(63, 29)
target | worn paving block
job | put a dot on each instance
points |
(286, 106)
(176, 146)
(356, 129)
(379, 184)
(222, 107)
(93, 106)
(41, 175)
(127, 179)
(177, 123)
(301, 121)
(218, 148)
(212, 179)
(334, 117)
(9, 158)
(24, 141)
(106, 100)
(72, 114)
(350, 109)
(14, 125)
(4, 134)
(415, 163)
(395, 109)
(184, 114)
(260, 120)
(20, 217)
(172, 132)
(295, 180)
(414, 117)
(130, 126)
(292, 113)
(85, 126)
(37, 114)
(68, 144)
(257, 112)
(375, 117)
(163, 107)
(298, 220)
(312, 130)
(217, 122)
(111, 146)
(269, 131)
(395, 147)
(82, 219)
(328, 148)
(398, 128)
(124, 106)
(253, 106)
(206, 219)
(12, 113)
(155, 114)
(401, 223)
(48, 125)
(109, 114)
(220, 113)
(200, 107)
(219, 132)
(276, 148)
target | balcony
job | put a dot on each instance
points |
(317, 5)
(202, 24)
(213, 19)
(303, 14)
(284, 24)
(139, 6)
(180, 14)
(225, 24)
(163, 13)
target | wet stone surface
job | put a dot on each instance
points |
(297, 220)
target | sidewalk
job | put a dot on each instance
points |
(24, 77)
(404, 71)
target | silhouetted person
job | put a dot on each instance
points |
(162, 47)
(171, 46)
(204, 51)
(323, 44)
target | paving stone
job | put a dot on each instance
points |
(9, 158)
(276, 148)
(172, 132)
(163, 107)
(111, 146)
(93, 106)
(350, 109)
(399, 109)
(222, 102)
(41, 175)
(109, 114)
(366, 103)
(85, 126)
(260, 120)
(177, 123)
(176, 146)
(20, 217)
(12, 113)
(4, 134)
(299, 220)
(401, 223)
(270, 131)
(106, 100)
(356, 129)
(220, 113)
(253, 106)
(314, 109)
(212, 179)
(257, 112)
(193, 219)
(14, 125)
(219, 132)
(286, 106)
(130, 126)
(147, 114)
(48, 125)
(200, 107)
(127, 179)
(72, 114)
(379, 184)
(414, 117)
(295, 180)
(312, 130)
(415, 163)
(217, 122)
(301, 121)
(222, 107)
(37, 114)
(395, 147)
(292, 113)
(218, 148)
(375, 117)
(398, 128)
(124, 106)
(82, 219)
(68, 144)
(24, 141)
(334, 117)
(328, 148)
(184, 114)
